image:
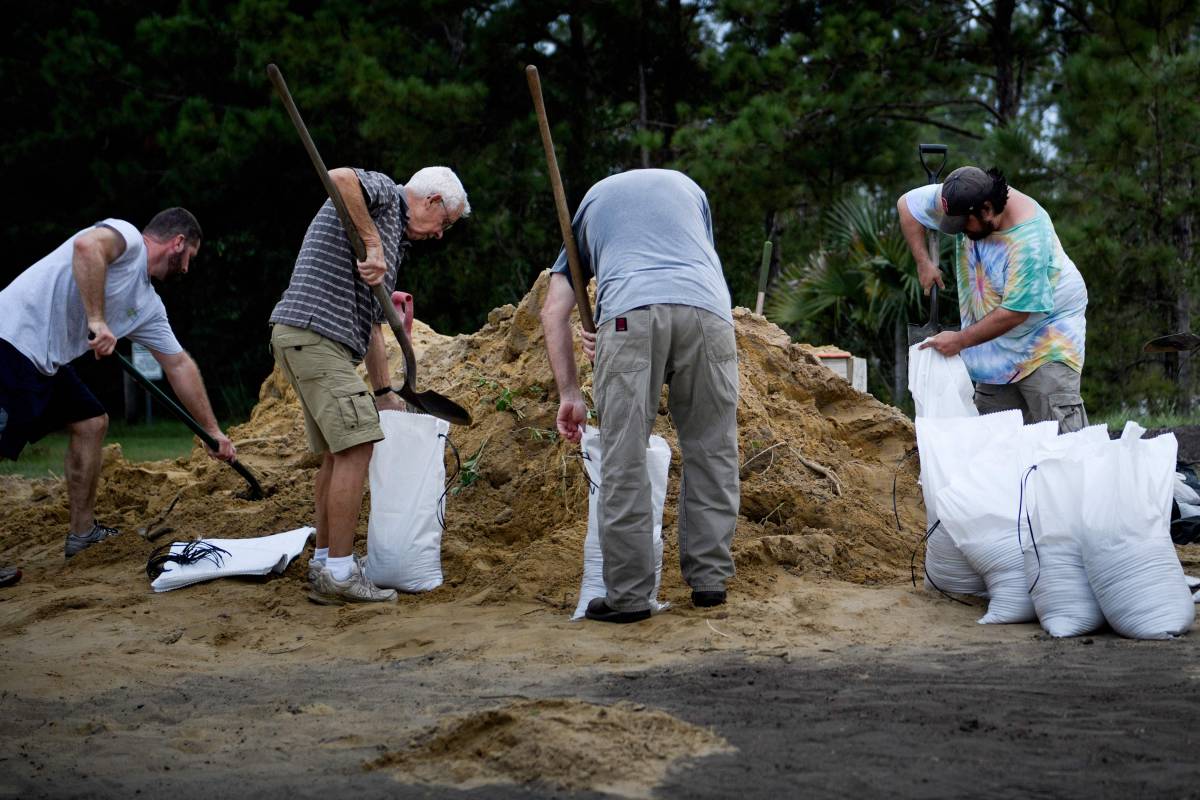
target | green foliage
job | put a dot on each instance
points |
(780, 109)
(470, 470)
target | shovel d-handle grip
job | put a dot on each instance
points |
(560, 202)
(931, 150)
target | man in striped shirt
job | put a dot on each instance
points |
(326, 323)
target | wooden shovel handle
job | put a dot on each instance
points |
(560, 203)
(339, 204)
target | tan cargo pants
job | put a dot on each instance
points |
(694, 352)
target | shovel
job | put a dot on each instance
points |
(254, 490)
(919, 333)
(429, 402)
(1173, 343)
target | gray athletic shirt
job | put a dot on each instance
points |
(647, 236)
(42, 315)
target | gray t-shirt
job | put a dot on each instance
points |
(42, 314)
(647, 236)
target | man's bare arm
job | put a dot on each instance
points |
(378, 373)
(374, 268)
(184, 377)
(916, 234)
(93, 252)
(998, 322)
(556, 323)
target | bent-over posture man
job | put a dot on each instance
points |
(97, 284)
(663, 314)
(326, 323)
(1021, 298)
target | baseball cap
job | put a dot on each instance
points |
(963, 193)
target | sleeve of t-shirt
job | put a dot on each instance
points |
(155, 332)
(378, 189)
(925, 204)
(1027, 277)
(134, 243)
(561, 266)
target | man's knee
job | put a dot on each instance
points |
(90, 428)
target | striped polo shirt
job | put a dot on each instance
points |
(325, 294)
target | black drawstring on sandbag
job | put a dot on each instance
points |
(912, 561)
(192, 552)
(592, 487)
(912, 567)
(441, 508)
(1029, 522)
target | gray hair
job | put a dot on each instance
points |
(442, 181)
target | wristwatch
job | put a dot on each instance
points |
(383, 391)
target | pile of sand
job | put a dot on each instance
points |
(818, 459)
(623, 749)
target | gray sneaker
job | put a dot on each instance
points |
(315, 567)
(77, 542)
(355, 589)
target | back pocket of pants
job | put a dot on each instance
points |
(720, 341)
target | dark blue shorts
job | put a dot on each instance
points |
(33, 404)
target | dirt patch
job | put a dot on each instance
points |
(624, 749)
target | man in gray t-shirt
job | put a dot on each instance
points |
(92, 290)
(663, 315)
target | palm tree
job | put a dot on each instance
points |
(858, 290)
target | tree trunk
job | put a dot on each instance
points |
(1185, 250)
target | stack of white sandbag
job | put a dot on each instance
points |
(1071, 530)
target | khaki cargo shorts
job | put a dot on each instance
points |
(339, 410)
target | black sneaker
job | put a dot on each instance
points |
(77, 542)
(599, 611)
(708, 599)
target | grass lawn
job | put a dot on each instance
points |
(1115, 420)
(163, 438)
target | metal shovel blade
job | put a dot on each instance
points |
(919, 333)
(1173, 343)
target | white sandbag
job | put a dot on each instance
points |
(658, 461)
(979, 511)
(408, 502)
(940, 386)
(257, 556)
(1050, 543)
(1127, 551)
(946, 447)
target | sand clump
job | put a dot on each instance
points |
(624, 749)
(818, 457)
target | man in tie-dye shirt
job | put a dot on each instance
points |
(1021, 299)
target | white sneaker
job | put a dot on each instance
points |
(356, 589)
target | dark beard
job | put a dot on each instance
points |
(174, 267)
(987, 229)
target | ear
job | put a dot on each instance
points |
(179, 243)
(434, 198)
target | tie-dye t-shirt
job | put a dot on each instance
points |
(1022, 268)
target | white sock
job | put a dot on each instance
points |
(321, 555)
(339, 568)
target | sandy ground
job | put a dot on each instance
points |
(827, 674)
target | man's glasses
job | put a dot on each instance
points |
(447, 223)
